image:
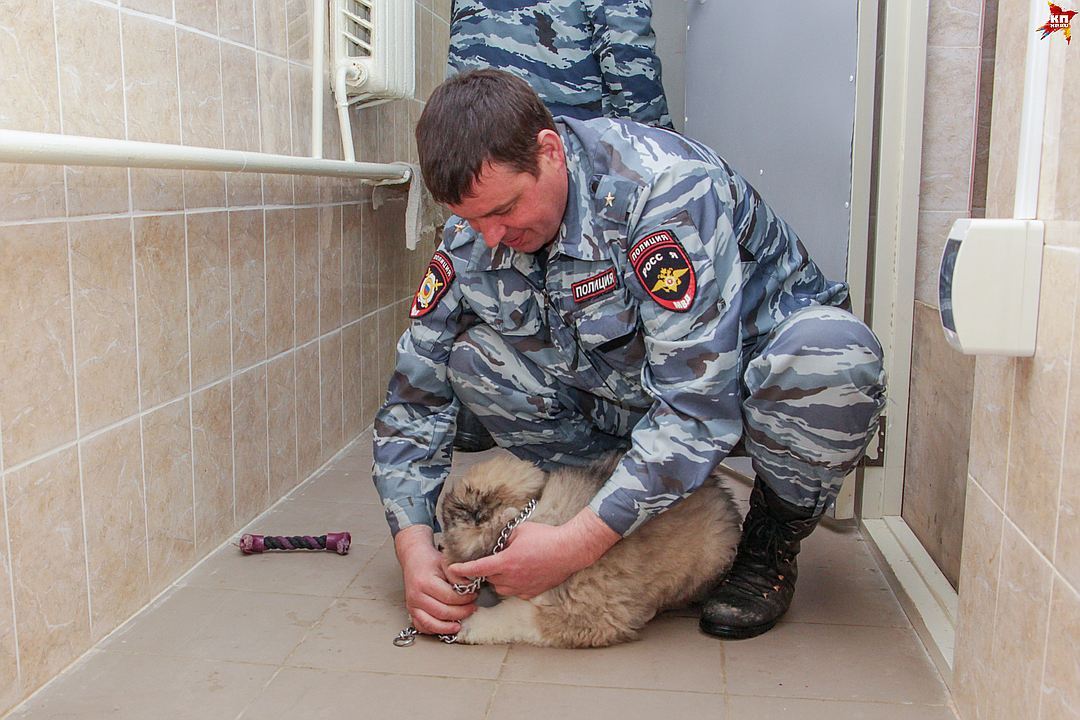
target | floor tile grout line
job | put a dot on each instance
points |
(257, 695)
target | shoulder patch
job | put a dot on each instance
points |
(436, 283)
(664, 270)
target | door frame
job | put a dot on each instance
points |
(925, 594)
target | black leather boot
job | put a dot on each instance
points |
(758, 589)
(471, 434)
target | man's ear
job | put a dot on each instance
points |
(551, 146)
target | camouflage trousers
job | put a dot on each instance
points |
(812, 391)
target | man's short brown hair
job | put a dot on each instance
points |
(476, 117)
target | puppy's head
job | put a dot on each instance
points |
(477, 507)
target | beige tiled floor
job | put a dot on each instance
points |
(309, 636)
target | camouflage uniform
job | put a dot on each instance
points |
(673, 316)
(585, 58)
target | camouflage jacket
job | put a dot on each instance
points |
(585, 58)
(667, 272)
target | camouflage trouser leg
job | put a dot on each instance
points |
(527, 410)
(814, 391)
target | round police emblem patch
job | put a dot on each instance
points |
(664, 270)
(436, 282)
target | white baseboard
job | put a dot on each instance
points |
(926, 596)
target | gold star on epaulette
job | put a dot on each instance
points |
(459, 227)
(609, 200)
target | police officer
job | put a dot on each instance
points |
(607, 286)
(585, 58)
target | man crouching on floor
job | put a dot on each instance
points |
(609, 286)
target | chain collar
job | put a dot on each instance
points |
(406, 637)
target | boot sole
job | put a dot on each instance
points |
(727, 632)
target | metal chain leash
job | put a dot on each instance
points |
(406, 637)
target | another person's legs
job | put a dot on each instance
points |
(813, 397)
(527, 410)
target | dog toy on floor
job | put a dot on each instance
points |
(338, 542)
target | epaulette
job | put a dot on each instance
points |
(612, 197)
(458, 233)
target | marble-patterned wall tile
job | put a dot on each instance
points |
(331, 384)
(92, 100)
(9, 664)
(307, 275)
(277, 189)
(1009, 54)
(201, 113)
(170, 501)
(982, 131)
(399, 283)
(29, 192)
(1061, 681)
(955, 23)
(243, 189)
(103, 279)
(1067, 548)
(28, 83)
(37, 389)
(153, 106)
(991, 423)
(240, 97)
(939, 423)
(280, 281)
(1038, 420)
(115, 513)
(247, 273)
(51, 607)
(161, 301)
(212, 450)
(210, 305)
(240, 88)
(351, 263)
(1065, 147)
(352, 371)
(281, 417)
(308, 409)
(270, 27)
(97, 191)
(373, 259)
(372, 386)
(236, 20)
(300, 112)
(1019, 628)
(200, 15)
(385, 352)
(329, 268)
(250, 443)
(977, 599)
(31, 102)
(442, 9)
(275, 124)
(298, 14)
(948, 119)
(157, 190)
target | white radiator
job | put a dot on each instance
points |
(373, 45)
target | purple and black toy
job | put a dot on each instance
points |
(338, 542)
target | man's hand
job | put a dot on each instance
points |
(537, 557)
(433, 605)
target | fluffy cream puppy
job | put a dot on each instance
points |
(667, 562)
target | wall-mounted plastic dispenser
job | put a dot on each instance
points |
(989, 286)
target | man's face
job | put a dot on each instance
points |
(514, 208)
